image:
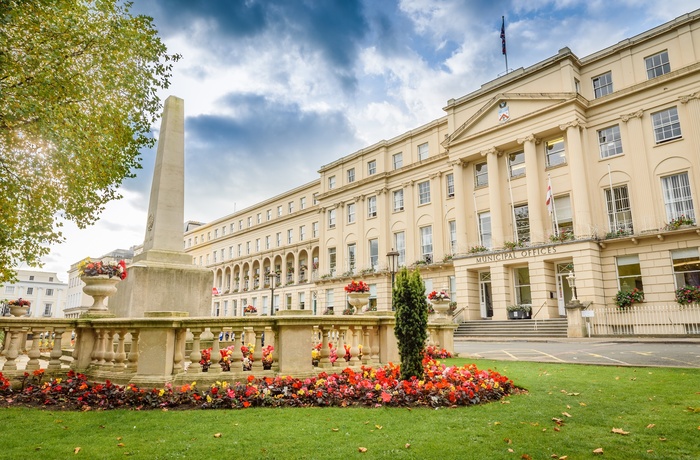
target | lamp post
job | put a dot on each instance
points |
(571, 279)
(272, 276)
(393, 261)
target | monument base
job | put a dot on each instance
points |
(163, 287)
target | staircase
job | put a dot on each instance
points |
(523, 328)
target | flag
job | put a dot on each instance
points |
(214, 291)
(549, 200)
(503, 35)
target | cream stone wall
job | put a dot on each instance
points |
(552, 99)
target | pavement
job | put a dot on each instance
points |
(628, 351)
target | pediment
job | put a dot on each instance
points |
(505, 108)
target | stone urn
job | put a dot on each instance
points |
(441, 308)
(99, 288)
(358, 299)
(17, 310)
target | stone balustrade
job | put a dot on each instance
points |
(165, 347)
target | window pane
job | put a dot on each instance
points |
(516, 163)
(481, 173)
(678, 199)
(609, 141)
(554, 152)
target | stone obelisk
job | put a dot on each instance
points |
(162, 277)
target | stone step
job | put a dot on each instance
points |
(515, 328)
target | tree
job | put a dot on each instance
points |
(78, 95)
(411, 321)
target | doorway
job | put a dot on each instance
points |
(485, 298)
(564, 291)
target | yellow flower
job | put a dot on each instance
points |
(161, 392)
(208, 398)
(377, 387)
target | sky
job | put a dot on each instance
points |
(275, 89)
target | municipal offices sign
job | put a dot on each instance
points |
(519, 254)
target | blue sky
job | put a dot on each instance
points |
(275, 89)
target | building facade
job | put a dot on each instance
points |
(44, 290)
(573, 167)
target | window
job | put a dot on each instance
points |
(371, 167)
(686, 267)
(269, 214)
(290, 236)
(240, 226)
(315, 198)
(250, 221)
(666, 125)
(302, 232)
(208, 236)
(351, 213)
(602, 85)
(222, 254)
(397, 160)
(609, 141)
(302, 203)
(351, 175)
(678, 199)
(214, 256)
(424, 192)
(302, 300)
(314, 230)
(30, 290)
(657, 65)
(233, 229)
(400, 245)
(290, 207)
(619, 211)
(329, 298)
(522, 222)
(331, 218)
(216, 233)
(374, 253)
(247, 248)
(562, 206)
(47, 309)
(523, 294)
(352, 252)
(240, 249)
(279, 211)
(279, 239)
(31, 277)
(331, 259)
(49, 292)
(516, 164)
(398, 200)
(257, 244)
(259, 217)
(331, 183)
(450, 179)
(481, 175)
(577, 85)
(423, 151)
(223, 231)
(453, 236)
(426, 243)
(372, 206)
(554, 152)
(629, 273)
(267, 242)
(485, 229)
(9, 289)
(207, 259)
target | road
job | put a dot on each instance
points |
(658, 353)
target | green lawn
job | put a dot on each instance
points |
(659, 408)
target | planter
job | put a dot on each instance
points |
(99, 287)
(518, 314)
(358, 299)
(16, 310)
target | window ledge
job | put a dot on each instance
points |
(670, 141)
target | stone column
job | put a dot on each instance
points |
(437, 205)
(384, 213)
(536, 190)
(361, 261)
(579, 180)
(409, 207)
(692, 129)
(460, 206)
(495, 199)
(640, 167)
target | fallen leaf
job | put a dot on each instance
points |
(556, 428)
(407, 445)
(564, 457)
(693, 409)
(651, 425)
(496, 423)
(119, 438)
(508, 440)
(121, 444)
(620, 431)
(598, 450)
(573, 394)
(526, 457)
(379, 427)
(76, 450)
(662, 439)
(582, 404)
(362, 449)
(367, 422)
(165, 409)
(650, 451)
(568, 407)
(554, 456)
(564, 391)
(505, 402)
(217, 435)
(511, 450)
(566, 414)
(334, 429)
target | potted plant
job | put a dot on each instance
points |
(477, 249)
(520, 311)
(358, 295)
(680, 222)
(267, 357)
(626, 298)
(100, 280)
(250, 310)
(688, 295)
(19, 307)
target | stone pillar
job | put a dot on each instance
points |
(388, 346)
(437, 209)
(691, 103)
(409, 208)
(294, 343)
(640, 168)
(495, 200)
(576, 324)
(536, 190)
(579, 179)
(460, 206)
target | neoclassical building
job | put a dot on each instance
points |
(586, 166)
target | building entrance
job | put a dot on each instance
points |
(485, 297)
(564, 292)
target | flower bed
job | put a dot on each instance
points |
(441, 386)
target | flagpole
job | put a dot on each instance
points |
(503, 40)
(476, 216)
(554, 208)
(512, 210)
(612, 197)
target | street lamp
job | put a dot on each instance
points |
(393, 261)
(571, 278)
(272, 276)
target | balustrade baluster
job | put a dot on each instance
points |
(133, 359)
(237, 355)
(120, 356)
(75, 354)
(109, 351)
(179, 355)
(325, 362)
(375, 349)
(257, 352)
(196, 355)
(354, 349)
(35, 352)
(96, 351)
(12, 351)
(342, 338)
(215, 357)
(56, 351)
(366, 346)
